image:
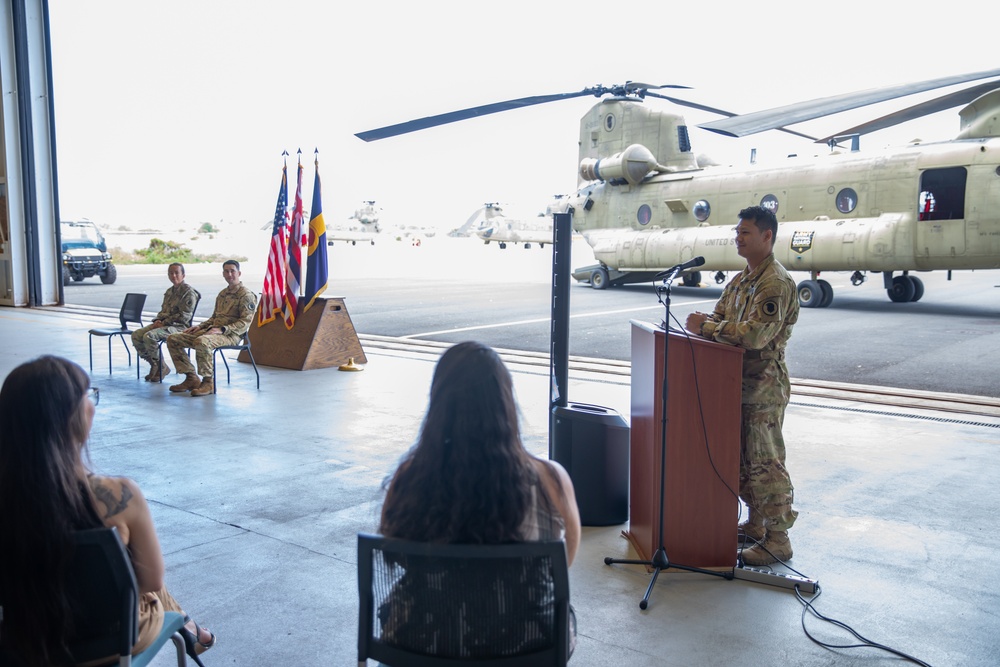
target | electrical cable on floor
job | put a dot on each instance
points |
(807, 605)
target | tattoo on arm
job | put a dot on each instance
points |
(114, 505)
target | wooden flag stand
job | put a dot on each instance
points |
(322, 337)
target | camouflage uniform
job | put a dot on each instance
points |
(234, 310)
(175, 314)
(756, 312)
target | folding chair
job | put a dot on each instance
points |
(131, 312)
(104, 597)
(432, 605)
(244, 344)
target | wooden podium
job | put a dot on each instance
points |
(323, 336)
(699, 512)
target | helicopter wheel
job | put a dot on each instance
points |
(902, 290)
(918, 288)
(692, 279)
(503, 246)
(599, 278)
(827, 291)
(527, 246)
(354, 243)
(810, 294)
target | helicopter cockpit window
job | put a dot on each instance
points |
(770, 202)
(644, 214)
(942, 194)
(702, 209)
(847, 200)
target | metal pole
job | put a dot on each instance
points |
(562, 236)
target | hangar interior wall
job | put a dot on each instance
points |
(30, 255)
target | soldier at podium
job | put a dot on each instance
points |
(756, 312)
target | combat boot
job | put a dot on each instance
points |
(752, 530)
(191, 381)
(151, 375)
(158, 375)
(206, 387)
(776, 546)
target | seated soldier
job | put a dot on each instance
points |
(234, 310)
(176, 313)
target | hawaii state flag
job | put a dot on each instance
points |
(296, 239)
(271, 298)
(317, 270)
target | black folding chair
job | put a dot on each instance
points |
(243, 345)
(103, 595)
(131, 312)
(429, 605)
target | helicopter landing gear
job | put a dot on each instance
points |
(692, 279)
(503, 246)
(599, 278)
(810, 294)
(527, 246)
(857, 278)
(815, 292)
(720, 277)
(905, 288)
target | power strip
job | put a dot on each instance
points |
(776, 579)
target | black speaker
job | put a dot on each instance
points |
(592, 443)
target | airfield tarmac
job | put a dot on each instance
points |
(452, 289)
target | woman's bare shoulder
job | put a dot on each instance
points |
(114, 495)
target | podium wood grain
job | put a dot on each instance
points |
(322, 337)
(700, 510)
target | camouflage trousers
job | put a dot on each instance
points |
(203, 346)
(146, 341)
(764, 482)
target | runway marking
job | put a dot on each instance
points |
(546, 319)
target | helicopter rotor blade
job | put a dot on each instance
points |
(942, 103)
(630, 88)
(770, 119)
(721, 112)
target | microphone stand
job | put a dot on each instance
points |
(660, 560)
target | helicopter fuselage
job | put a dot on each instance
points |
(919, 208)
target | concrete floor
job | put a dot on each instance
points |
(258, 497)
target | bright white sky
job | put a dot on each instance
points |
(177, 112)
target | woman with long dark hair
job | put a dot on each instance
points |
(47, 408)
(469, 479)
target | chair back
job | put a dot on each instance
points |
(197, 300)
(432, 604)
(104, 596)
(132, 309)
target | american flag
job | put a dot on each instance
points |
(277, 257)
(293, 276)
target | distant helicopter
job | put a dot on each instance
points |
(492, 226)
(644, 208)
(367, 216)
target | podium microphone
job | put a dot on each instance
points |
(673, 270)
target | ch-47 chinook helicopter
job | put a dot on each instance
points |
(367, 216)
(492, 225)
(645, 204)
